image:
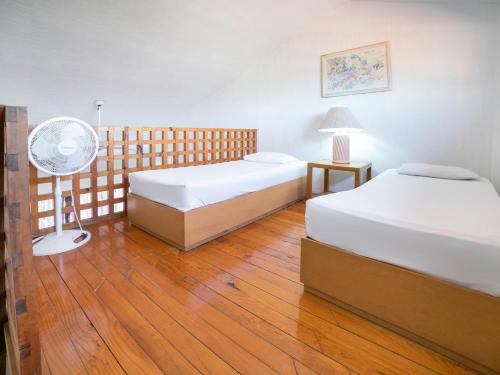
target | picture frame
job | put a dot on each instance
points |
(358, 70)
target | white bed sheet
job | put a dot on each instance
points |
(449, 229)
(188, 188)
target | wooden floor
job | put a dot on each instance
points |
(128, 303)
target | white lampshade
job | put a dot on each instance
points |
(340, 120)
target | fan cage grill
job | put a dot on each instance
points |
(62, 146)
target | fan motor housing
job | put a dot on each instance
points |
(67, 147)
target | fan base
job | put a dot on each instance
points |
(54, 244)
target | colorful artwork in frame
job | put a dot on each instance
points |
(356, 71)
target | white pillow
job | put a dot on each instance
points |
(437, 171)
(270, 157)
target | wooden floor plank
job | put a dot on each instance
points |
(129, 354)
(290, 256)
(196, 352)
(269, 240)
(260, 259)
(301, 352)
(227, 349)
(94, 353)
(262, 286)
(300, 369)
(128, 302)
(280, 228)
(318, 306)
(257, 354)
(374, 359)
(166, 357)
(45, 365)
(350, 350)
(295, 296)
(286, 343)
(59, 348)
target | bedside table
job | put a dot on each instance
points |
(326, 165)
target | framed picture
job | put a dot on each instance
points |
(356, 71)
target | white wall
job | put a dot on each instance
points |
(495, 155)
(440, 109)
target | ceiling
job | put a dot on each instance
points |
(172, 51)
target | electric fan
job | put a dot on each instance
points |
(62, 146)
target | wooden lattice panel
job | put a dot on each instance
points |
(101, 191)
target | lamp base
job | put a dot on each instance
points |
(341, 161)
(341, 153)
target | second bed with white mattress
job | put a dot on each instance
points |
(448, 229)
(188, 188)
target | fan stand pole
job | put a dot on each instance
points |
(61, 240)
(58, 207)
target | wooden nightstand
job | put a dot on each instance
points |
(326, 165)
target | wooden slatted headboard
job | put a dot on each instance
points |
(101, 190)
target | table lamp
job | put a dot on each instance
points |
(342, 123)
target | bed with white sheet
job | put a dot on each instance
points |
(417, 254)
(189, 206)
(449, 229)
(192, 187)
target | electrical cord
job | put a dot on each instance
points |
(37, 239)
(74, 211)
(81, 237)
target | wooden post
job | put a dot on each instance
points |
(357, 178)
(326, 180)
(21, 329)
(309, 182)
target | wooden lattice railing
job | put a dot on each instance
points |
(101, 190)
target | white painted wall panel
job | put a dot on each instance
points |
(440, 109)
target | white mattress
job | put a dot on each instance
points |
(449, 229)
(187, 188)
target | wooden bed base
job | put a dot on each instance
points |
(187, 230)
(460, 323)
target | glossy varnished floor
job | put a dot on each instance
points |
(128, 303)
